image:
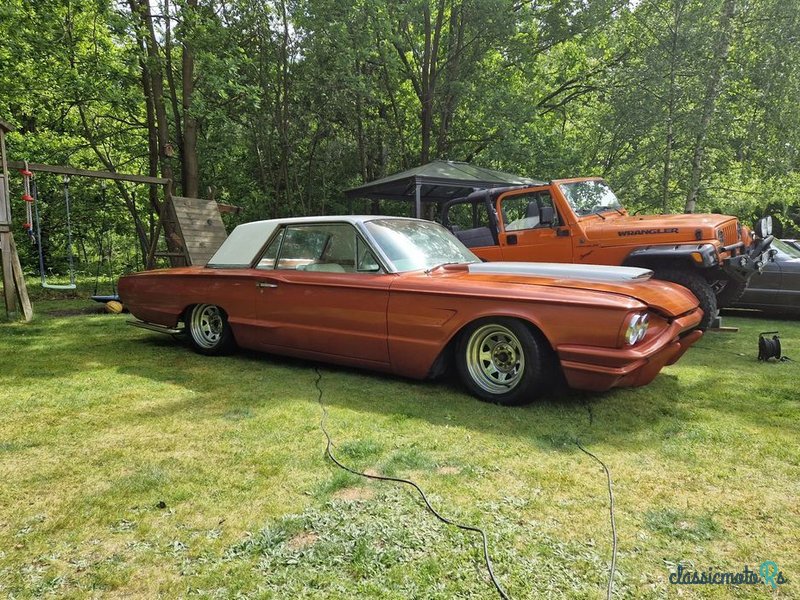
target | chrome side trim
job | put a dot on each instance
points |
(562, 271)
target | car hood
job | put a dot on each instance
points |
(668, 298)
(641, 229)
(789, 264)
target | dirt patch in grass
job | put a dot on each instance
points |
(448, 470)
(355, 493)
(302, 540)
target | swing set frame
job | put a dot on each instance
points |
(14, 287)
(199, 235)
(15, 293)
(67, 173)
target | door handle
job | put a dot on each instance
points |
(511, 239)
(562, 232)
(264, 284)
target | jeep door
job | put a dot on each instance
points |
(531, 228)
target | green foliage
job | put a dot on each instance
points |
(296, 101)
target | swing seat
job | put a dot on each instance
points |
(104, 299)
(52, 286)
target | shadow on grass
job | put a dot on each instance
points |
(628, 418)
(553, 422)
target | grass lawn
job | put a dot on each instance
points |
(131, 466)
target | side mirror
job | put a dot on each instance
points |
(546, 216)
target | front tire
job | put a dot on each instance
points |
(209, 331)
(730, 292)
(701, 288)
(500, 361)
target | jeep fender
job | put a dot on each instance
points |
(700, 256)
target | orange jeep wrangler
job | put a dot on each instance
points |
(581, 221)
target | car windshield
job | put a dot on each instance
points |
(413, 245)
(785, 250)
(589, 197)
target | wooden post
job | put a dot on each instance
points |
(14, 290)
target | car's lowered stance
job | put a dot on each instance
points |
(405, 296)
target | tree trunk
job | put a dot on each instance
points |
(152, 133)
(710, 102)
(670, 134)
(429, 75)
(450, 99)
(191, 183)
(170, 73)
(140, 9)
(130, 202)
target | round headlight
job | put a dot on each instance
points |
(644, 323)
(632, 331)
(637, 328)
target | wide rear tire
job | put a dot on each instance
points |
(209, 331)
(500, 360)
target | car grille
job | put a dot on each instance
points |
(730, 233)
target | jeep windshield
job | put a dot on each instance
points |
(589, 197)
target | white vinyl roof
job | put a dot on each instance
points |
(245, 242)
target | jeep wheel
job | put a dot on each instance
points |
(729, 292)
(701, 288)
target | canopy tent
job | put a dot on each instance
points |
(437, 181)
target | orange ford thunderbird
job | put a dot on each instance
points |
(405, 296)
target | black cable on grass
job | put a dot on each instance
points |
(435, 513)
(613, 521)
(731, 352)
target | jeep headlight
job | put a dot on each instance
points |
(637, 328)
(764, 227)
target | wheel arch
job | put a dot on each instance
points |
(674, 257)
(445, 359)
(186, 313)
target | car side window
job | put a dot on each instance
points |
(524, 211)
(365, 259)
(320, 247)
(267, 260)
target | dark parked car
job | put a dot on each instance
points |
(777, 288)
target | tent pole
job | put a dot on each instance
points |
(418, 201)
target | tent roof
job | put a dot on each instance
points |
(440, 180)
